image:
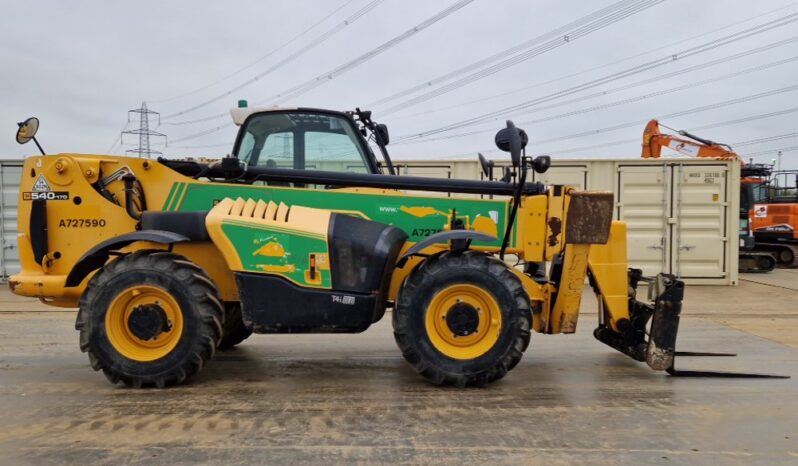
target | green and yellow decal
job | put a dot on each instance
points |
(273, 239)
(418, 216)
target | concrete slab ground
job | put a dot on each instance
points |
(352, 398)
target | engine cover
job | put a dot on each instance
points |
(300, 269)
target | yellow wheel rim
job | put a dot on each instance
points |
(474, 302)
(117, 326)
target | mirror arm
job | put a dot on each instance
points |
(384, 152)
(519, 187)
(39, 146)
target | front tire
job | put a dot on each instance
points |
(462, 319)
(150, 318)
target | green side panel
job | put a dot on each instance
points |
(278, 252)
(387, 209)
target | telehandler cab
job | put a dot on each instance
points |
(299, 231)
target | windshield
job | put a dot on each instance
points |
(304, 141)
(760, 193)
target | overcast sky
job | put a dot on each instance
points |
(79, 66)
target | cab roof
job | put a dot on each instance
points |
(240, 114)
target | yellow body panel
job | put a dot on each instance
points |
(565, 313)
(532, 227)
(608, 264)
(555, 224)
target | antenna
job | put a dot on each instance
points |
(143, 131)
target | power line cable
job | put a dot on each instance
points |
(118, 141)
(587, 70)
(722, 124)
(558, 33)
(310, 46)
(332, 74)
(692, 51)
(714, 125)
(763, 140)
(552, 44)
(629, 86)
(770, 151)
(702, 108)
(325, 77)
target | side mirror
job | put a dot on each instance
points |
(487, 166)
(541, 163)
(512, 140)
(27, 130)
(382, 131)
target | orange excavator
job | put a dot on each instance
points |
(760, 250)
(774, 213)
(685, 143)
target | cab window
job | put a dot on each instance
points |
(303, 140)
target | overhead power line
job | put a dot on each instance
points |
(629, 100)
(465, 103)
(308, 47)
(777, 137)
(640, 123)
(559, 34)
(264, 57)
(703, 108)
(575, 33)
(692, 51)
(341, 69)
(697, 128)
(770, 151)
(337, 71)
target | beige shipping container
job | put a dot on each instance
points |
(682, 214)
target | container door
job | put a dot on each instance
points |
(643, 202)
(10, 174)
(567, 175)
(700, 208)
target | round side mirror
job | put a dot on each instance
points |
(27, 130)
(487, 166)
(512, 140)
(541, 163)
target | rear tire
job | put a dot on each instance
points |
(234, 329)
(462, 319)
(149, 318)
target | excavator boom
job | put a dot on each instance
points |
(654, 140)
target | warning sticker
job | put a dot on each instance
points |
(760, 211)
(41, 185)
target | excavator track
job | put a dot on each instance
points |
(786, 254)
(757, 262)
